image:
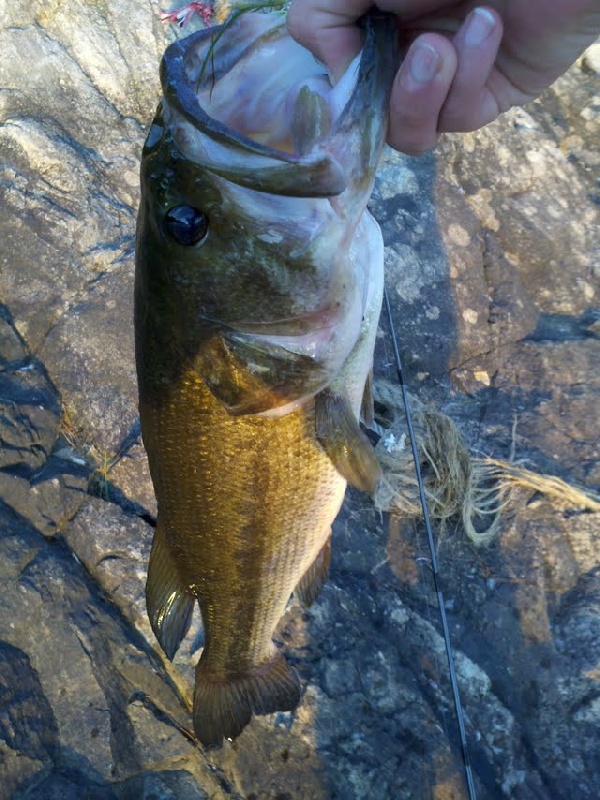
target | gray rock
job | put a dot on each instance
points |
(591, 59)
(48, 504)
(86, 702)
(29, 415)
(91, 353)
(492, 269)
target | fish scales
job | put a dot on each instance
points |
(243, 466)
(258, 289)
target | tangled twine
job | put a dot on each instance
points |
(456, 484)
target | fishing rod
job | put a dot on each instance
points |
(434, 562)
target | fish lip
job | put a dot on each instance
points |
(318, 174)
(181, 94)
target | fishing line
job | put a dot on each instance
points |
(434, 562)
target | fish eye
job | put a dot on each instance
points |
(186, 225)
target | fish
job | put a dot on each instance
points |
(258, 287)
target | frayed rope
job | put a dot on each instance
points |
(456, 484)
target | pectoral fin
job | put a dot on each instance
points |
(346, 445)
(169, 602)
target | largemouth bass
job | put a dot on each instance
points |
(258, 290)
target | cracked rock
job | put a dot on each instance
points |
(492, 270)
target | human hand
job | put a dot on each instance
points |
(465, 65)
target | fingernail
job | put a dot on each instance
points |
(424, 63)
(480, 23)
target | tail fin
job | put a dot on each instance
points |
(223, 707)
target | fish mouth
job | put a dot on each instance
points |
(248, 103)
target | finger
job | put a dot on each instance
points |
(470, 103)
(327, 29)
(418, 94)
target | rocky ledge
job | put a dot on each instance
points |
(493, 272)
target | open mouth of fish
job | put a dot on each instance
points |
(263, 112)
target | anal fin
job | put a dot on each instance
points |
(169, 602)
(346, 445)
(223, 706)
(313, 580)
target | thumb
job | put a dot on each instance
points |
(328, 30)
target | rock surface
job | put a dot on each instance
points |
(493, 272)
